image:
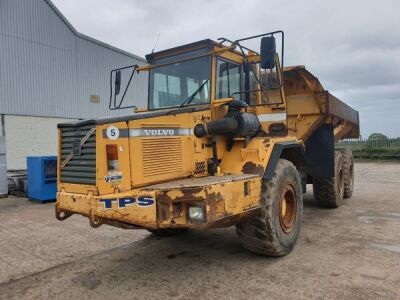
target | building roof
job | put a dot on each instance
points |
(88, 38)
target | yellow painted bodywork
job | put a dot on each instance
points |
(223, 202)
(92, 207)
(146, 162)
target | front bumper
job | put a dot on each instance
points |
(128, 208)
(225, 201)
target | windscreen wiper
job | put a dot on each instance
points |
(191, 97)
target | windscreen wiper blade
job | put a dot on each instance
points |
(191, 97)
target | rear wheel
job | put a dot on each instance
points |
(348, 171)
(328, 192)
(163, 232)
(275, 230)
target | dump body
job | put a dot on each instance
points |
(310, 105)
(152, 170)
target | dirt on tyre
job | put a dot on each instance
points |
(348, 172)
(164, 232)
(275, 230)
(328, 192)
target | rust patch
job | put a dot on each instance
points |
(177, 209)
(189, 194)
(193, 190)
(61, 214)
(214, 196)
(252, 168)
(163, 197)
(115, 223)
(218, 197)
(163, 211)
(211, 201)
(211, 214)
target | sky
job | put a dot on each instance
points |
(353, 47)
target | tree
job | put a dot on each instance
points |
(377, 137)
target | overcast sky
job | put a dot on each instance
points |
(353, 47)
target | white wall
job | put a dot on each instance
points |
(26, 136)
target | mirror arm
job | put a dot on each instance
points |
(248, 63)
(119, 106)
(127, 86)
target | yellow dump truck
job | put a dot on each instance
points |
(229, 137)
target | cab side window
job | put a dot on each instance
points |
(228, 78)
(269, 92)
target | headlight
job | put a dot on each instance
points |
(196, 213)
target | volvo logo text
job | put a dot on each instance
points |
(159, 131)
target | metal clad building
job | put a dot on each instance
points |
(50, 73)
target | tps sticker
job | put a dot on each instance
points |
(112, 132)
(142, 201)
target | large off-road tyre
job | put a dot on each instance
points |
(164, 232)
(348, 171)
(275, 230)
(328, 192)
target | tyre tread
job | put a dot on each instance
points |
(348, 163)
(258, 234)
(324, 189)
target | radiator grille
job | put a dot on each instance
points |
(79, 168)
(161, 155)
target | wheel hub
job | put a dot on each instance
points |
(287, 209)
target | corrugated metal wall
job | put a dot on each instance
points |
(3, 167)
(48, 69)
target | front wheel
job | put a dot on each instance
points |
(275, 230)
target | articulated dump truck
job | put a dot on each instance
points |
(229, 137)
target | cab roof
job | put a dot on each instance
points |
(200, 46)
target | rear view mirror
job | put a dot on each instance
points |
(117, 82)
(267, 52)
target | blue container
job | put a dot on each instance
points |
(42, 178)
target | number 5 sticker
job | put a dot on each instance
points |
(112, 132)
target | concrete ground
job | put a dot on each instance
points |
(352, 252)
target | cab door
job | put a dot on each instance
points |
(267, 98)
